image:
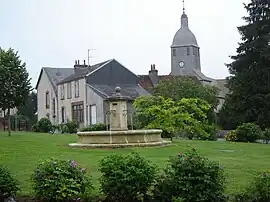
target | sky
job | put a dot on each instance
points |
(137, 33)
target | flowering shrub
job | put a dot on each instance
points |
(126, 177)
(231, 136)
(60, 180)
(8, 185)
(259, 190)
(190, 177)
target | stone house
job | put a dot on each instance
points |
(81, 93)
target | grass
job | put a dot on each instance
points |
(22, 151)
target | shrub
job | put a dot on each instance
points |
(126, 177)
(248, 132)
(190, 177)
(35, 128)
(44, 125)
(71, 127)
(257, 191)
(211, 132)
(231, 136)
(95, 127)
(266, 135)
(60, 180)
(8, 185)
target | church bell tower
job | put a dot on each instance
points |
(185, 52)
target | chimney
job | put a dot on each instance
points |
(79, 68)
(153, 74)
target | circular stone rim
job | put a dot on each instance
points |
(149, 144)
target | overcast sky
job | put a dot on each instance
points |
(137, 33)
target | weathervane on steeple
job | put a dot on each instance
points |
(183, 6)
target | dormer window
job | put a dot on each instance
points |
(69, 94)
(47, 99)
(77, 89)
(62, 92)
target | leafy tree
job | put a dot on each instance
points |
(14, 81)
(186, 87)
(186, 115)
(30, 107)
(249, 83)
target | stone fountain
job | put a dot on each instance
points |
(118, 135)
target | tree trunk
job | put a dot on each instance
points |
(9, 128)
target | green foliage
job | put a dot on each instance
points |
(185, 87)
(185, 116)
(211, 132)
(257, 191)
(248, 132)
(30, 108)
(95, 127)
(8, 185)
(231, 136)
(190, 178)
(44, 125)
(266, 135)
(71, 127)
(249, 97)
(126, 177)
(60, 180)
(14, 81)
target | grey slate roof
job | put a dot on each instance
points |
(131, 90)
(82, 73)
(55, 75)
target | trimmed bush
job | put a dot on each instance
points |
(60, 180)
(190, 177)
(44, 125)
(126, 177)
(95, 127)
(8, 184)
(257, 191)
(71, 127)
(248, 132)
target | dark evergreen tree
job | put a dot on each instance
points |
(249, 83)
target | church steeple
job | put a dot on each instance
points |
(184, 18)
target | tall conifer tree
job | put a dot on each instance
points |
(249, 83)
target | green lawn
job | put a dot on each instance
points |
(22, 151)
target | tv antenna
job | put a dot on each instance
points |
(89, 56)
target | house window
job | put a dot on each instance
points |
(77, 89)
(77, 112)
(93, 114)
(194, 51)
(62, 92)
(188, 51)
(63, 114)
(174, 52)
(47, 97)
(53, 106)
(69, 90)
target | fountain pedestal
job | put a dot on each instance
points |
(119, 135)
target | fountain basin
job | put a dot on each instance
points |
(114, 139)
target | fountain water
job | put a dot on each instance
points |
(118, 134)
